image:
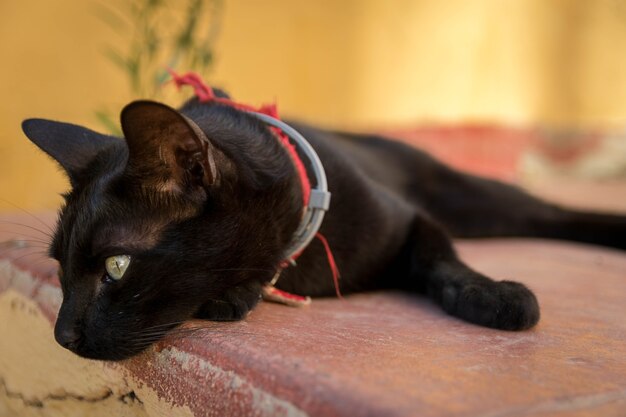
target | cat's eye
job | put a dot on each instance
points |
(116, 266)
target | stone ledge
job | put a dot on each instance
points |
(376, 354)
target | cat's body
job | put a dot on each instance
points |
(206, 216)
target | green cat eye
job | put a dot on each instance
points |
(116, 266)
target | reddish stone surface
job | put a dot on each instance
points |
(394, 354)
(398, 355)
(495, 151)
(489, 150)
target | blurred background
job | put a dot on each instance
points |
(530, 91)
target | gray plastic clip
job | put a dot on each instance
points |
(319, 200)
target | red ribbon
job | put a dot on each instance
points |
(205, 94)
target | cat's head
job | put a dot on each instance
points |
(188, 205)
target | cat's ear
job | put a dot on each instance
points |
(166, 149)
(72, 146)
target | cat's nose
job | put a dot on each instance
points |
(68, 337)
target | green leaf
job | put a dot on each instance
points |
(116, 58)
(110, 17)
(154, 37)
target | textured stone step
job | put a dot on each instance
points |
(381, 354)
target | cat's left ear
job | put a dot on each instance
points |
(167, 150)
(72, 146)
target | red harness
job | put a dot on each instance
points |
(205, 94)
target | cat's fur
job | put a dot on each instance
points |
(206, 223)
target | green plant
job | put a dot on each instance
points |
(154, 35)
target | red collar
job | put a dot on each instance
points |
(205, 94)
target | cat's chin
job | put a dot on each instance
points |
(112, 354)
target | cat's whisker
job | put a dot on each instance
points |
(37, 262)
(161, 333)
(42, 261)
(20, 246)
(172, 337)
(42, 256)
(179, 330)
(202, 336)
(28, 226)
(241, 269)
(162, 325)
(17, 249)
(9, 255)
(151, 333)
(185, 332)
(43, 232)
(23, 244)
(14, 235)
(46, 225)
(155, 338)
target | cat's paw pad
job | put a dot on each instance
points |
(502, 305)
(519, 308)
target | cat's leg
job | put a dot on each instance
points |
(470, 206)
(594, 228)
(235, 304)
(436, 270)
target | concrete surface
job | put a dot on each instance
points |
(380, 354)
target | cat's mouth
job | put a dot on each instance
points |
(114, 354)
(107, 347)
(107, 351)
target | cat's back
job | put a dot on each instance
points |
(369, 219)
(397, 167)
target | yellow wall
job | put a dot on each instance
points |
(350, 63)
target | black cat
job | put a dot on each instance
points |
(190, 215)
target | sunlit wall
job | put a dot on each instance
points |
(349, 63)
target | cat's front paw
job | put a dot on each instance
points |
(502, 305)
(219, 310)
(235, 305)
